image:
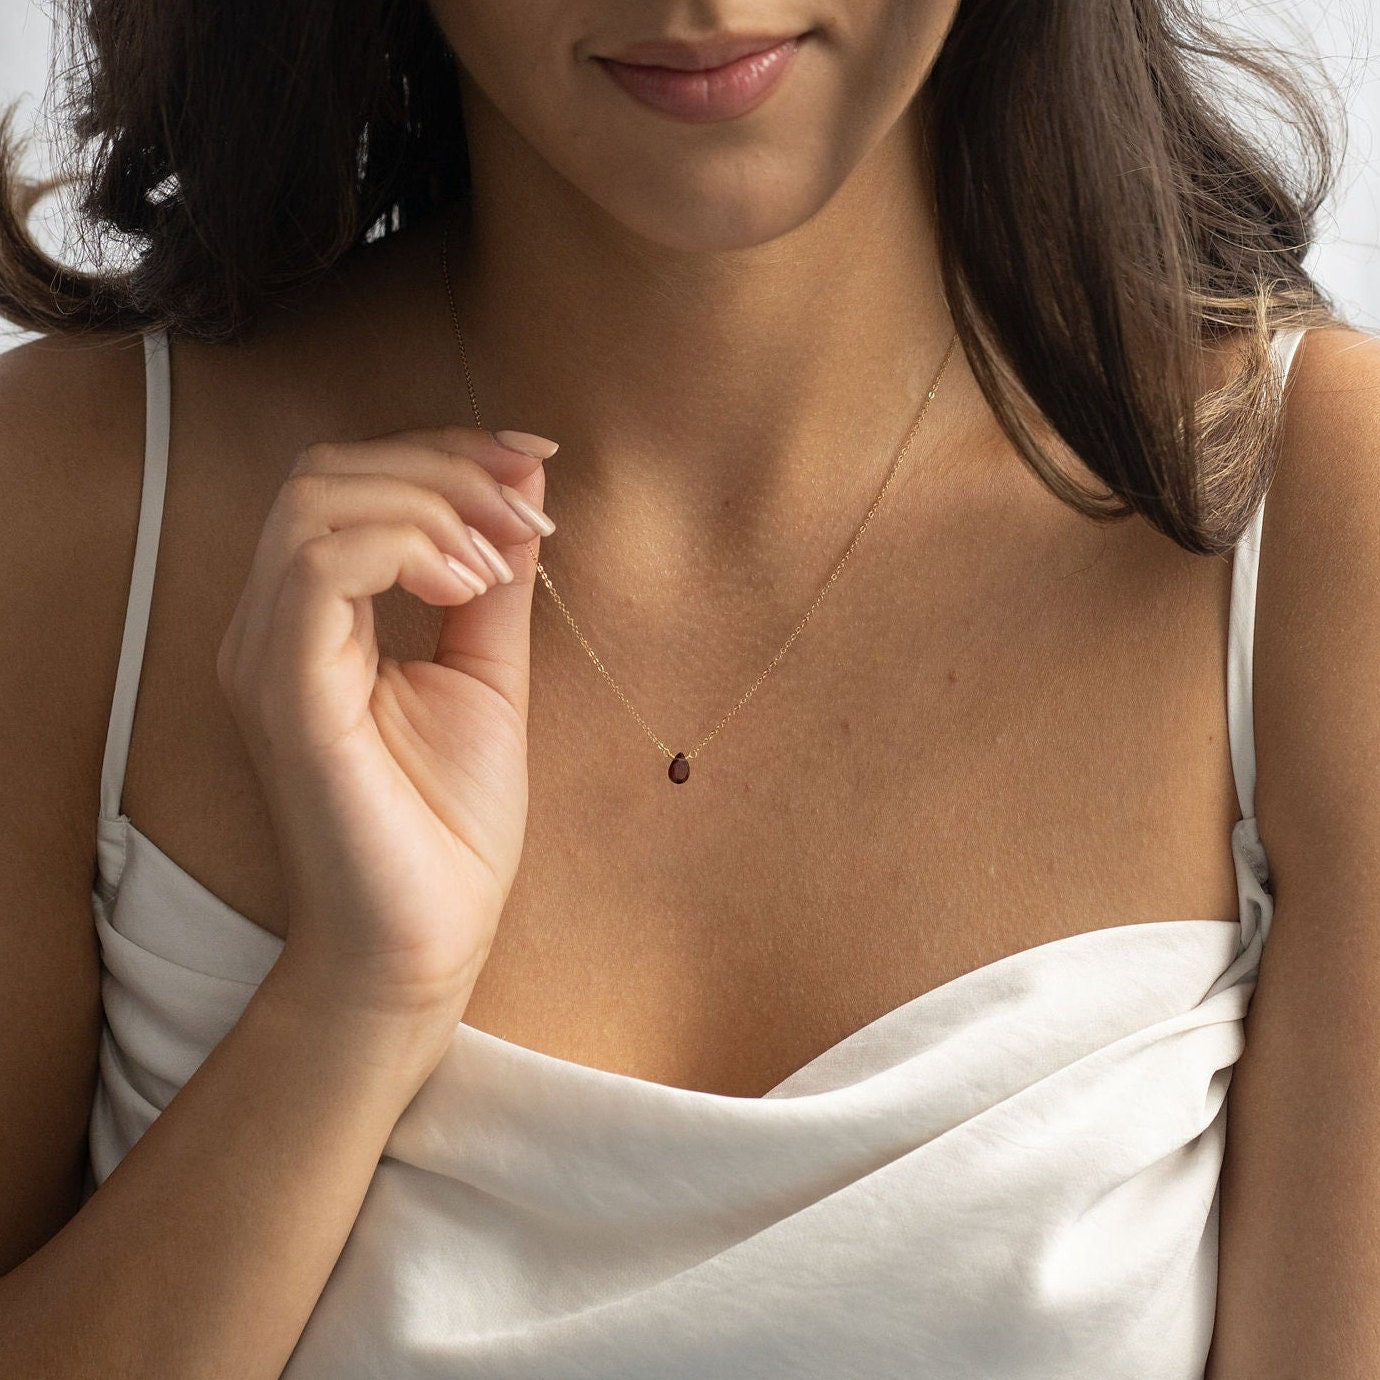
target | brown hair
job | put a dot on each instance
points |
(1102, 224)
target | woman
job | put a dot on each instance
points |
(867, 995)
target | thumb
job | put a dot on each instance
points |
(489, 637)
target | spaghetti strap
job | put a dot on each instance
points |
(157, 390)
(1241, 621)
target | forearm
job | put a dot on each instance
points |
(205, 1250)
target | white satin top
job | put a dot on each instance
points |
(1012, 1175)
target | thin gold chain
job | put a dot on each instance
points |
(828, 584)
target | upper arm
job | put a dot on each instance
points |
(1299, 1261)
(71, 450)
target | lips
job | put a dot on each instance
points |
(696, 94)
(697, 55)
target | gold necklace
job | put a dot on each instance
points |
(679, 770)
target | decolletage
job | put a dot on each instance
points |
(1013, 1174)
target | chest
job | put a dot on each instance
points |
(975, 746)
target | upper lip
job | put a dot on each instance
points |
(697, 55)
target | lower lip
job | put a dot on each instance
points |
(716, 93)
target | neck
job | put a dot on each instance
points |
(720, 410)
(731, 388)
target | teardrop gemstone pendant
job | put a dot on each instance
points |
(679, 769)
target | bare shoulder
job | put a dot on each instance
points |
(71, 453)
(71, 462)
(71, 465)
(56, 382)
(1316, 632)
(1299, 1260)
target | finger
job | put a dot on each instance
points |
(465, 482)
(477, 444)
(314, 617)
(490, 638)
(313, 502)
(320, 503)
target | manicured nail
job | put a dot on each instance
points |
(534, 517)
(538, 447)
(467, 575)
(490, 552)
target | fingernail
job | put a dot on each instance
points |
(538, 447)
(534, 517)
(490, 552)
(467, 575)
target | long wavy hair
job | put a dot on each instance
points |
(1104, 225)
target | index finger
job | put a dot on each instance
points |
(516, 454)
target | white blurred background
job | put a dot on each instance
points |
(1338, 37)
